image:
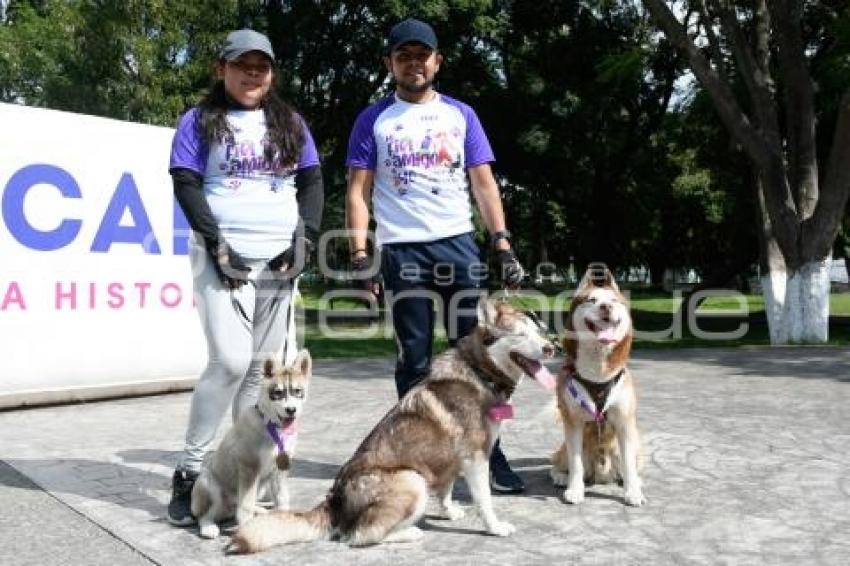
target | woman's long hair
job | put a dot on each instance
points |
(285, 131)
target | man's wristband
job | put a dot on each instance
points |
(500, 235)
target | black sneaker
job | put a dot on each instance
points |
(502, 478)
(180, 506)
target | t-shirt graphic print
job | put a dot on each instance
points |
(420, 154)
(252, 198)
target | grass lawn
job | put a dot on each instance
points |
(839, 303)
(651, 313)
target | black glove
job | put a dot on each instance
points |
(511, 270)
(230, 266)
(368, 282)
(294, 259)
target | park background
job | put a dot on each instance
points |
(690, 146)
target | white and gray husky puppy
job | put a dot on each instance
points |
(254, 456)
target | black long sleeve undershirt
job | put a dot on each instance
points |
(310, 193)
(189, 192)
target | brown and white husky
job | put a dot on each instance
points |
(444, 426)
(596, 393)
(254, 456)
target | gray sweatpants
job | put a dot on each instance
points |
(243, 328)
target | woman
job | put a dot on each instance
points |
(246, 174)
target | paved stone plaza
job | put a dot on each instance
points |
(747, 462)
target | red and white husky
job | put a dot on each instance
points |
(596, 394)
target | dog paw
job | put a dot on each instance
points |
(237, 545)
(408, 534)
(209, 530)
(574, 495)
(453, 512)
(501, 529)
(559, 478)
(260, 510)
(635, 498)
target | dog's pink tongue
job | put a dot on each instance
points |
(544, 377)
(607, 335)
(501, 412)
(289, 426)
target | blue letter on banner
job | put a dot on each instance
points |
(13, 207)
(126, 197)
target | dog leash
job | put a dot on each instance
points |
(287, 355)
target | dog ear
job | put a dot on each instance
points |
(597, 275)
(586, 282)
(304, 362)
(486, 312)
(268, 368)
(608, 280)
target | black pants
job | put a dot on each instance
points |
(446, 274)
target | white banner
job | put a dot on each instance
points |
(95, 284)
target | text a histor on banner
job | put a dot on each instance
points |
(97, 289)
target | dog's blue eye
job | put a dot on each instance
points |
(298, 393)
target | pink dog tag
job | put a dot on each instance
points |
(500, 412)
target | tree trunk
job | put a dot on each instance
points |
(847, 264)
(797, 303)
(800, 217)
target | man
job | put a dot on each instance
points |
(416, 153)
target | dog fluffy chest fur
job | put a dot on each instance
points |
(249, 447)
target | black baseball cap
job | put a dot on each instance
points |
(411, 31)
(245, 40)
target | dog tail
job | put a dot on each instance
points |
(282, 527)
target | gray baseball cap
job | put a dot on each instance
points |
(245, 40)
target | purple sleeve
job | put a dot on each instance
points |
(476, 147)
(362, 146)
(309, 153)
(188, 149)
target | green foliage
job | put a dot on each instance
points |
(139, 60)
(696, 184)
(600, 158)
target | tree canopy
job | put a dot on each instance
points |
(607, 149)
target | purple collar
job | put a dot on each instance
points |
(282, 441)
(274, 432)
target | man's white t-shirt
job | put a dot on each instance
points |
(420, 154)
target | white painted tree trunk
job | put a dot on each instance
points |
(797, 306)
